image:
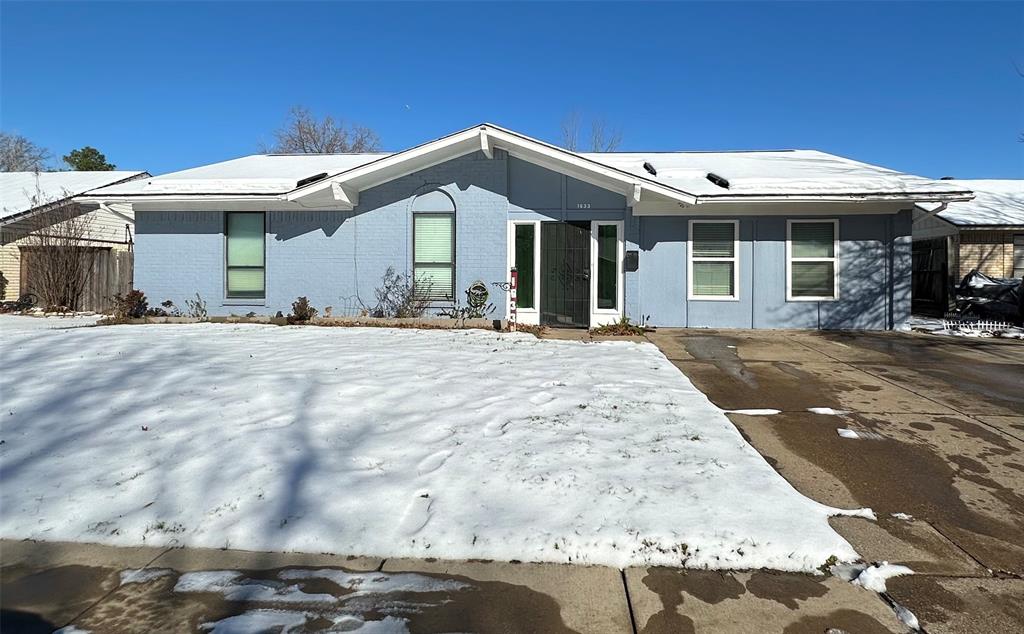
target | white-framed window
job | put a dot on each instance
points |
(245, 255)
(812, 260)
(524, 255)
(607, 249)
(434, 255)
(714, 260)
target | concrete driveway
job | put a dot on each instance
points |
(940, 422)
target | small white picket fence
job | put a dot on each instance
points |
(975, 325)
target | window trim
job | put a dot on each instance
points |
(735, 259)
(601, 316)
(524, 315)
(446, 214)
(245, 300)
(1016, 242)
(834, 259)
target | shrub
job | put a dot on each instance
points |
(397, 297)
(196, 308)
(622, 328)
(302, 312)
(170, 309)
(131, 305)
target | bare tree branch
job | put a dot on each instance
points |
(18, 154)
(60, 257)
(1020, 71)
(303, 133)
(603, 137)
(571, 131)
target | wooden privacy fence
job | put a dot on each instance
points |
(111, 273)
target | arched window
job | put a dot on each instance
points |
(433, 237)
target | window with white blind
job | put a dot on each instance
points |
(812, 260)
(245, 237)
(434, 255)
(714, 260)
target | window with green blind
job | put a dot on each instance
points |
(525, 237)
(607, 266)
(245, 236)
(434, 255)
(714, 259)
(813, 260)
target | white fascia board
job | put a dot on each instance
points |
(96, 200)
(485, 144)
(478, 139)
(909, 198)
(216, 202)
(769, 208)
(398, 165)
(578, 167)
(345, 195)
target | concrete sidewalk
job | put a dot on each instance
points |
(46, 586)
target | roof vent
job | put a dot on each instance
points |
(948, 178)
(311, 179)
(718, 180)
(650, 169)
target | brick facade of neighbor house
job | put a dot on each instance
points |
(991, 252)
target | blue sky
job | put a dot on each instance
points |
(928, 88)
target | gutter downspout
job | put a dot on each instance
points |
(941, 208)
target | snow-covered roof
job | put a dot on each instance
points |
(996, 203)
(684, 177)
(255, 174)
(771, 173)
(21, 192)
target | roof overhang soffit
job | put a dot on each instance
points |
(344, 188)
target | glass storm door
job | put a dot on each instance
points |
(565, 274)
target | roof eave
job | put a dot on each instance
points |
(485, 138)
(911, 198)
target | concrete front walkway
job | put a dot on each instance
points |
(101, 589)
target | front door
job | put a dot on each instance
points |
(565, 274)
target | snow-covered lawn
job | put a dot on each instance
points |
(451, 444)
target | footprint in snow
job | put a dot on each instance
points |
(540, 398)
(432, 462)
(416, 515)
(495, 428)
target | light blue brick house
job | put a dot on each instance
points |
(775, 239)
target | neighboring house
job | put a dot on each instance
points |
(41, 201)
(775, 239)
(986, 233)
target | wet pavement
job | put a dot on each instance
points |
(45, 586)
(939, 457)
